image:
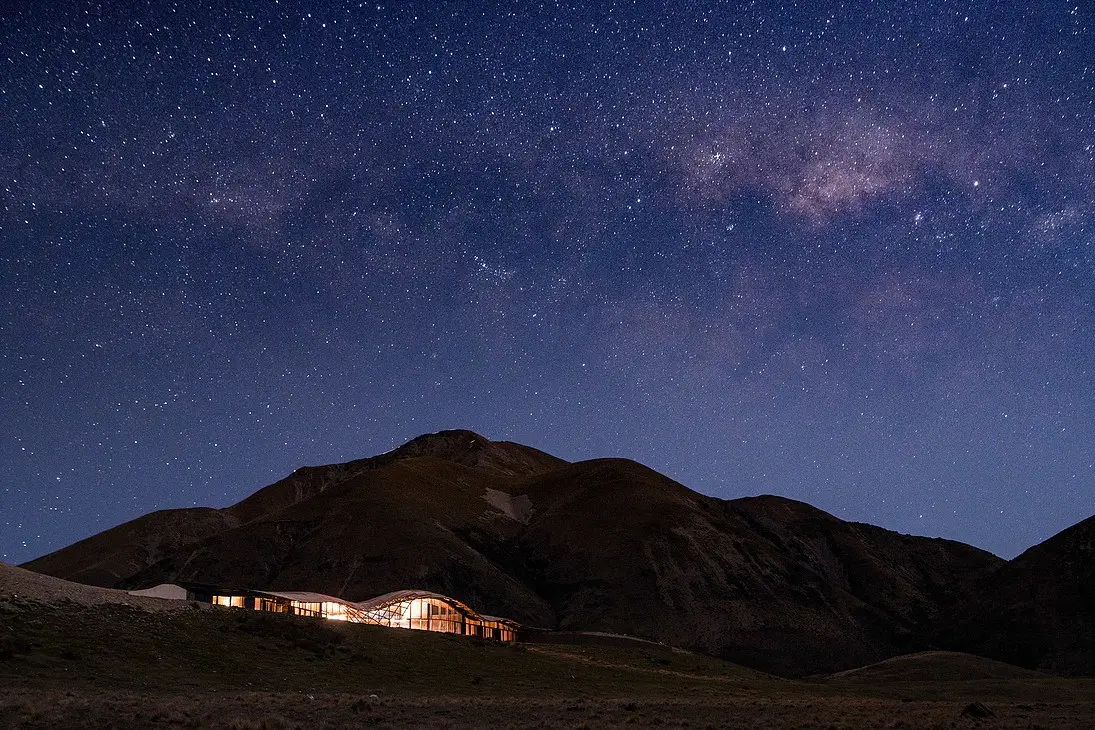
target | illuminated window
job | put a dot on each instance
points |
(334, 611)
(307, 608)
(269, 604)
(230, 601)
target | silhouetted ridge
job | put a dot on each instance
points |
(460, 446)
(471, 449)
(770, 506)
(111, 556)
(1036, 611)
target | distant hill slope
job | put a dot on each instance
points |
(602, 545)
(108, 558)
(933, 666)
(410, 523)
(1038, 610)
(766, 582)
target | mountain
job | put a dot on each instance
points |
(108, 558)
(602, 545)
(1038, 610)
(458, 446)
(767, 582)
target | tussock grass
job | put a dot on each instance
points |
(121, 647)
(70, 665)
(281, 711)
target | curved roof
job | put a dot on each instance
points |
(372, 604)
(305, 597)
(499, 619)
(406, 595)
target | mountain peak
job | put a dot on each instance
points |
(471, 449)
(443, 443)
(611, 545)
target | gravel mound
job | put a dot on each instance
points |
(19, 584)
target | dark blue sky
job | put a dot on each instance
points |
(841, 252)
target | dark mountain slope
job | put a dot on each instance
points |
(404, 524)
(470, 449)
(302, 484)
(611, 545)
(115, 554)
(905, 578)
(773, 583)
(462, 447)
(1037, 611)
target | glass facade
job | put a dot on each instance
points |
(324, 609)
(271, 604)
(424, 614)
(403, 609)
(437, 614)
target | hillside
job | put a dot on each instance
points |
(601, 545)
(933, 666)
(1038, 610)
(108, 558)
(114, 555)
(75, 656)
(767, 582)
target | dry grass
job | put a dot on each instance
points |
(121, 647)
(277, 711)
(71, 665)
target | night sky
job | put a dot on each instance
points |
(841, 252)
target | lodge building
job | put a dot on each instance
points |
(408, 609)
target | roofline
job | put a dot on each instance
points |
(304, 596)
(412, 593)
(366, 605)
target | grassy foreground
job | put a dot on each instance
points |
(68, 665)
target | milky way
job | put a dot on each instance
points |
(841, 252)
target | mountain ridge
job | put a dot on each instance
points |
(599, 545)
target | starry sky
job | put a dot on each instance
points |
(838, 251)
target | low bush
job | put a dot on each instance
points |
(314, 635)
(12, 644)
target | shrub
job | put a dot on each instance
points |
(12, 645)
(312, 635)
